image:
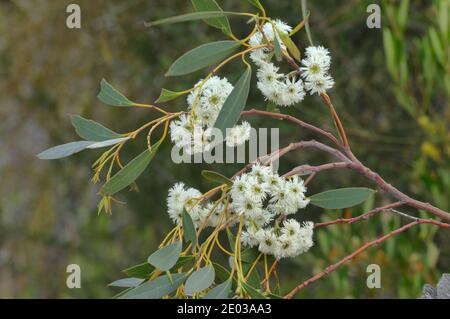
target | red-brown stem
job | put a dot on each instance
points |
(328, 135)
(378, 241)
(388, 188)
(326, 99)
(303, 169)
(358, 218)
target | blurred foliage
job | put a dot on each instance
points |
(48, 214)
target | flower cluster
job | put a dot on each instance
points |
(288, 89)
(182, 198)
(262, 196)
(259, 197)
(194, 132)
(315, 70)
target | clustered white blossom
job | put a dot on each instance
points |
(195, 134)
(262, 196)
(289, 89)
(182, 198)
(259, 197)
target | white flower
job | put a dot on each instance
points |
(180, 131)
(274, 182)
(256, 191)
(268, 243)
(210, 97)
(286, 247)
(238, 135)
(248, 238)
(320, 84)
(262, 172)
(179, 199)
(268, 74)
(320, 53)
(305, 241)
(240, 186)
(291, 228)
(247, 207)
(263, 218)
(292, 92)
(313, 68)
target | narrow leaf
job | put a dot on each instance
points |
(202, 56)
(165, 258)
(157, 288)
(292, 48)
(190, 17)
(216, 177)
(221, 291)
(221, 23)
(235, 103)
(130, 172)
(341, 198)
(200, 280)
(167, 95)
(107, 143)
(64, 150)
(305, 14)
(253, 292)
(91, 130)
(277, 49)
(189, 229)
(127, 282)
(110, 96)
(143, 270)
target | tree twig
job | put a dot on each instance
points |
(378, 241)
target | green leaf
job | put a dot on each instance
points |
(221, 23)
(292, 48)
(91, 130)
(221, 291)
(130, 172)
(167, 95)
(64, 150)
(189, 229)
(110, 96)
(305, 13)
(231, 239)
(127, 282)
(157, 288)
(107, 143)
(235, 103)
(143, 270)
(249, 255)
(390, 51)
(216, 177)
(403, 11)
(341, 198)
(200, 280)
(165, 258)
(202, 56)
(222, 273)
(254, 293)
(191, 17)
(277, 49)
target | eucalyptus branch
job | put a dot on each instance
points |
(360, 217)
(376, 242)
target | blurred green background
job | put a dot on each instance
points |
(392, 92)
